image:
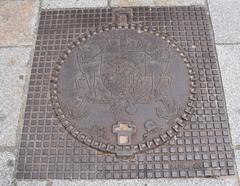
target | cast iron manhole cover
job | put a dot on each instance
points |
(123, 89)
(103, 108)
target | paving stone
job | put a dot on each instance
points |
(230, 181)
(13, 69)
(31, 183)
(121, 3)
(7, 160)
(237, 158)
(125, 3)
(179, 2)
(229, 57)
(17, 22)
(48, 4)
(225, 19)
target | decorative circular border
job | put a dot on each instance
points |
(130, 149)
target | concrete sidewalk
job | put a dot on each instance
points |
(18, 27)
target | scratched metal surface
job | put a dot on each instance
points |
(202, 147)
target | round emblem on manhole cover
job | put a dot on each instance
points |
(123, 90)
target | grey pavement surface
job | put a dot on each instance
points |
(225, 16)
(14, 67)
(237, 158)
(49, 4)
(125, 3)
(7, 161)
(32, 183)
(18, 20)
(231, 181)
(229, 61)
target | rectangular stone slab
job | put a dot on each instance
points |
(202, 149)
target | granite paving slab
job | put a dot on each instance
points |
(14, 67)
(230, 181)
(126, 3)
(32, 183)
(49, 4)
(7, 162)
(229, 64)
(17, 22)
(225, 19)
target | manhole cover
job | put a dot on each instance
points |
(123, 89)
(118, 94)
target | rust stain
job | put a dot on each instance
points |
(100, 153)
(12, 61)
